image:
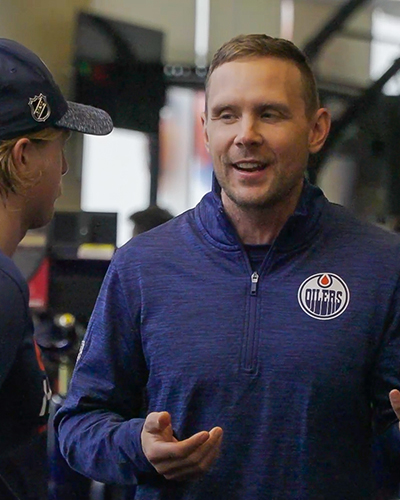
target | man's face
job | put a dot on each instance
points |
(257, 132)
(48, 161)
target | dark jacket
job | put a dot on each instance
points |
(295, 363)
(24, 392)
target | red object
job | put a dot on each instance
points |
(39, 286)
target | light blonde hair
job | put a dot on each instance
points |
(11, 180)
(260, 45)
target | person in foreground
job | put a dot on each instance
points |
(261, 328)
(35, 123)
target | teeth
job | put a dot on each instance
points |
(249, 166)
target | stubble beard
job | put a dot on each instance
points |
(274, 196)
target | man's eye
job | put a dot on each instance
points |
(272, 116)
(227, 116)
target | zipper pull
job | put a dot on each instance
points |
(254, 283)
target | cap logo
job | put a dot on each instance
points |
(40, 108)
(323, 296)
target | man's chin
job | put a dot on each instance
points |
(41, 221)
(255, 205)
(252, 202)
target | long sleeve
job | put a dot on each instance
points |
(385, 372)
(12, 323)
(24, 390)
(98, 426)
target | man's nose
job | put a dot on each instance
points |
(248, 132)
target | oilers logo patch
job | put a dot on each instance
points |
(323, 296)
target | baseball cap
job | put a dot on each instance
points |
(30, 99)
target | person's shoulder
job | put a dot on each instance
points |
(14, 292)
(10, 275)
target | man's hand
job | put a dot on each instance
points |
(178, 460)
(394, 397)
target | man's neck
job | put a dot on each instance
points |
(259, 225)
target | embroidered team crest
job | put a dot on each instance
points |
(40, 108)
(323, 296)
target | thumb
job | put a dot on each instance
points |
(157, 422)
(395, 401)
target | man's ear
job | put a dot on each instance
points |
(20, 154)
(321, 124)
(205, 133)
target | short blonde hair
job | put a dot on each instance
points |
(11, 181)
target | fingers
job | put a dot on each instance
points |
(394, 397)
(178, 459)
(177, 450)
(195, 447)
(156, 422)
(197, 462)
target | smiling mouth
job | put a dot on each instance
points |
(249, 167)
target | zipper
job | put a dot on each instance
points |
(254, 283)
(250, 352)
(250, 356)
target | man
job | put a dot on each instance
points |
(262, 327)
(35, 123)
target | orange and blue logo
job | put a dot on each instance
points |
(324, 296)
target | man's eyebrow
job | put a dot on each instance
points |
(219, 108)
(259, 108)
(273, 106)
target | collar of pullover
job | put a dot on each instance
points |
(299, 229)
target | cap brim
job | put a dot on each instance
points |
(86, 119)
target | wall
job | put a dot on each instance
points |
(230, 18)
(177, 19)
(174, 17)
(45, 26)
